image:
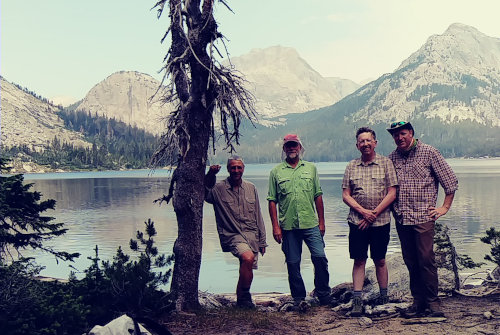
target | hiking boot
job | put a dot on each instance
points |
(299, 305)
(245, 304)
(382, 300)
(414, 311)
(435, 310)
(357, 306)
(245, 300)
(328, 300)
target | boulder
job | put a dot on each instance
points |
(399, 281)
(119, 326)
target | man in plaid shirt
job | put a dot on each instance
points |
(420, 169)
(368, 188)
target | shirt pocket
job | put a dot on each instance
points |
(284, 186)
(250, 200)
(356, 183)
(378, 178)
(306, 182)
(227, 199)
(421, 170)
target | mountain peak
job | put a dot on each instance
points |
(128, 96)
(453, 77)
(460, 28)
(285, 83)
(276, 50)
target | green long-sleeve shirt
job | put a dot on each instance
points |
(294, 190)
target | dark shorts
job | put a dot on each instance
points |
(376, 237)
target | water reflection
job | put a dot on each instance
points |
(107, 208)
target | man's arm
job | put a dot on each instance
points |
(320, 209)
(273, 214)
(260, 224)
(448, 181)
(387, 201)
(209, 182)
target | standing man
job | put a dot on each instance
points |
(368, 188)
(420, 169)
(294, 187)
(239, 222)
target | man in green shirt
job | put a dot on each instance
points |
(294, 188)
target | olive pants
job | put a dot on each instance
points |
(417, 246)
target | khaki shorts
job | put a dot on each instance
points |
(239, 249)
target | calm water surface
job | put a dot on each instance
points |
(107, 208)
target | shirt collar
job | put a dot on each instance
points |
(228, 184)
(286, 165)
(359, 161)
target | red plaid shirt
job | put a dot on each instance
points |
(419, 174)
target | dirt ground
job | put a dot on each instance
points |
(464, 315)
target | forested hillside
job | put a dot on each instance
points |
(115, 145)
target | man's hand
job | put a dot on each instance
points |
(436, 213)
(210, 177)
(214, 169)
(277, 234)
(262, 250)
(363, 224)
(322, 227)
(369, 215)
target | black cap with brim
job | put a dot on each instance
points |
(395, 126)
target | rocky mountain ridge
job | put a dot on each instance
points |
(284, 83)
(27, 120)
(281, 81)
(453, 77)
(131, 97)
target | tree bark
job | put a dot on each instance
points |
(198, 106)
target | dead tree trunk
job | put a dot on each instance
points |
(198, 86)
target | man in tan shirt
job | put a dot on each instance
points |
(369, 187)
(239, 222)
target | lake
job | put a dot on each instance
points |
(107, 208)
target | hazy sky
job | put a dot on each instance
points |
(62, 48)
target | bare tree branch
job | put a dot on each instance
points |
(232, 100)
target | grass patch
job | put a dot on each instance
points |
(226, 319)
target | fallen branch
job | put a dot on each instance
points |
(329, 328)
(474, 274)
(423, 321)
(471, 326)
(492, 291)
(385, 317)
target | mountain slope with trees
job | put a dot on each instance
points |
(114, 145)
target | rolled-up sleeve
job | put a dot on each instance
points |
(444, 174)
(317, 187)
(272, 192)
(209, 197)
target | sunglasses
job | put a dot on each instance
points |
(395, 124)
(291, 144)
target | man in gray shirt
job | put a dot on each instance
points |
(239, 222)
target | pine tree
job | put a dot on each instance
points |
(22, 225)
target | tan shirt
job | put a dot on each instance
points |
(368, 184)
(238, 215)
